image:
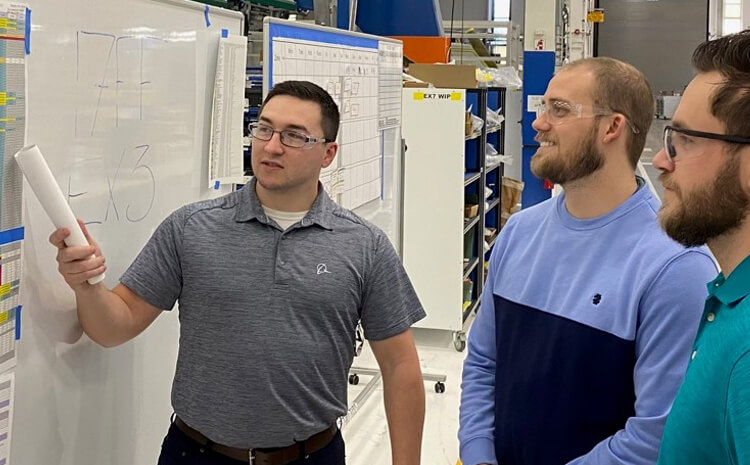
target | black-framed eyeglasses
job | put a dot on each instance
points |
(288, 137)
(671, 146)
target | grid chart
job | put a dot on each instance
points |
(7, 383)
(350, 75)
(12, 128)
(229, 95)
(391, 58)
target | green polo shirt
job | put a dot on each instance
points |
(710, 418)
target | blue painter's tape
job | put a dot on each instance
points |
(27, 41)
(18, 323)
(205, 13)
(11, 235)
(225, 33)
(216, 185)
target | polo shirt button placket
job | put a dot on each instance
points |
(711, 317)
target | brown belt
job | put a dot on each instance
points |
(280, 456)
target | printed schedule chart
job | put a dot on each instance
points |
(350, 75)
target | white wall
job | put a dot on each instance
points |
(540, 18)
(580, 44)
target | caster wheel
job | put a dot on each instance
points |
(354, 379)
(439, 387)
(459, 341)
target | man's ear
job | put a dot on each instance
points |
(331, 151)
(615, 129)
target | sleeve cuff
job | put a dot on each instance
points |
(478, 450)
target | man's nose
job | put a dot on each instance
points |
(274, 144)
(540, 124)
(662, 162)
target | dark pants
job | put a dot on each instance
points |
(178, 449)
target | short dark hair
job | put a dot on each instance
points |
(730, 56)
(624, 89)
(305, 90)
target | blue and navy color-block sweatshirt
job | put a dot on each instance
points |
(582, 338)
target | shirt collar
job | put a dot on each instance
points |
(640, 195)
(733, 289)
(250, 208)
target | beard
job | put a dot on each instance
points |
(562, 168)
(708, 212)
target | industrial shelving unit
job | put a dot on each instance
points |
(493, 172)
(447, 213)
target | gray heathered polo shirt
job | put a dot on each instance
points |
(267, 318)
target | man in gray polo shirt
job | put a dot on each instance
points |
(271, 281)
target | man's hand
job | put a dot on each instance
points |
(77, 264)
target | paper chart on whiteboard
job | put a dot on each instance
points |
(350, 75)
(389, 83)
(13, 46)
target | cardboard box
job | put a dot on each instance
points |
(446, 76)
(511, 195)
(470, 211)
(417, 85)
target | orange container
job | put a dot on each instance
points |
(426, 49)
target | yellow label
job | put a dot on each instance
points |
(596, 16)
(7, 120)
(4, 317)
(3, 22)
(418, 95)
(4, 289)
(455, 95)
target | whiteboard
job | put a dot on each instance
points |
(362, 73)
(119, 101)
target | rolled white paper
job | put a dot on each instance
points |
(44, 185)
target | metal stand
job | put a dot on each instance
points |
(354, 373)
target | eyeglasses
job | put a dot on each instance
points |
(288, 137)
(682, 143)
(558, 112)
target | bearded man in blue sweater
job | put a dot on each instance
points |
(589, 311)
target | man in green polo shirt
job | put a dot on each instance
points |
(705, 167)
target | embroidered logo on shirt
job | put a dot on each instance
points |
(322, 268)
(597, 299)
